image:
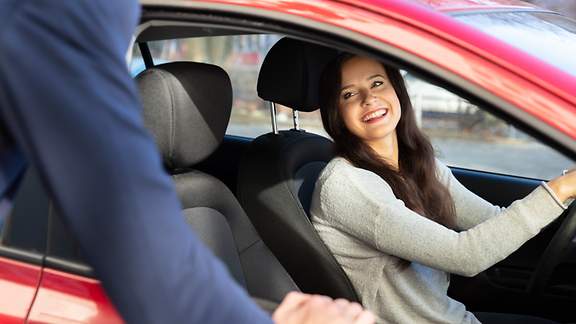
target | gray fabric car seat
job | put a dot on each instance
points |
(278, 172)
(187, 109)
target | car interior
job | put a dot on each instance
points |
(188, 123)
(277, 173)
(248, 199)
(272, 177)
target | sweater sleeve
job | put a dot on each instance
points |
(471, 209)
(363, 205)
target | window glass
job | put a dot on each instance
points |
(464, 135)
(6, 213)
(5, 207)
(24, 217)
(241, 57)
(136, 63)
(309, 121)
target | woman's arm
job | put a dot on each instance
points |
(360, 203)
(472, 210)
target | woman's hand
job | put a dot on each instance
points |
(299, 308)
(564, 186)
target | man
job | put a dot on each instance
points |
(69, 107)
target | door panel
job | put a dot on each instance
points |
(503, 287)
(483, 184)
(18, 283)
(67, 298)
(22, 245)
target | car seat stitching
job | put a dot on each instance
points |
(172, 141)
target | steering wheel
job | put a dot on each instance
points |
(554, 252)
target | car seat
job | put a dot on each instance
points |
(186, 106)
(278, 172)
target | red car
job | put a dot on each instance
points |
(494, 86)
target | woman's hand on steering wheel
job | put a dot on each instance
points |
(564, 186)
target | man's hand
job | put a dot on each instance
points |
(299, 308)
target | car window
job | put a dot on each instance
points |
(309, 121)
(241, 57)
(136, 62)
(466, 136)
(5, 212)
(24, 220)
(463, 134)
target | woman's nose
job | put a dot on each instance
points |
(369, 99)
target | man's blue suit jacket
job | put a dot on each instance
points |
(69, 107)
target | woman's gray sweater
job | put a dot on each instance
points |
(368, 229)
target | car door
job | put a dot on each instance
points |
(42, 276)
(495, 103)
(500, 163)
(69, 291)
(22, 247)
(70, 283)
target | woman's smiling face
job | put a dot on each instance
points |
(367, 101)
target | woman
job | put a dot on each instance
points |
(395, 218)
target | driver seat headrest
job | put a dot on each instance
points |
(186, 106)
(291, 72)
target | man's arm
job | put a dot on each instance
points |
(70, 105)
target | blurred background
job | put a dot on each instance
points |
(566, 7)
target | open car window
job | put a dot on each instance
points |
(467, 136)
(463, 134)
(24, 221)
(241, 57)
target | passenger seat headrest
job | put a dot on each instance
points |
(291, 72)
(186, 106)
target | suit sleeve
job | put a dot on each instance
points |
(69, 103)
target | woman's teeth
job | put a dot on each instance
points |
(376, 114)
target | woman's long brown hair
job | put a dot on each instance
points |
(416, 182)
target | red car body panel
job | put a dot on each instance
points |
(18, 283)
(421, 28)
(67, 298)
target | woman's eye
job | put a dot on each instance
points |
(347, 95)
(377, 84)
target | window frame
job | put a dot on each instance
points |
(262, 21)
(30, 207)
